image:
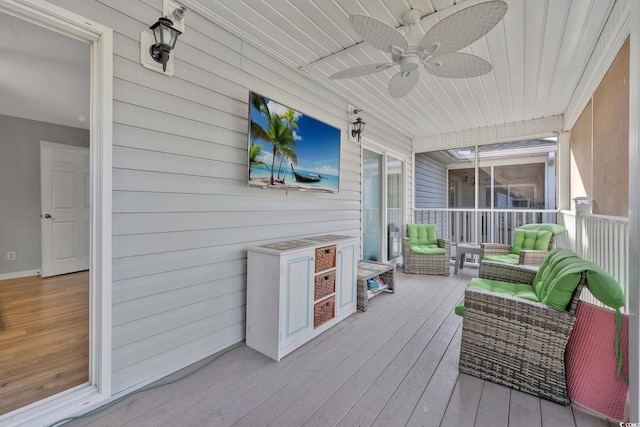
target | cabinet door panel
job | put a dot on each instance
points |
(346, 276)
(297, 297)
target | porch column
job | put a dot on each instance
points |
(564, 171)
(634, 214)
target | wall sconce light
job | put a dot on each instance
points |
(357, 128)
(166, 37)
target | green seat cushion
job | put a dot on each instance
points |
(553, 228)
(530, 240)
(426, 249)
(506, 259)
(459, 310)
(519, 290)
(422, 234)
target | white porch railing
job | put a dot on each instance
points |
(603, 240)
(481, 225)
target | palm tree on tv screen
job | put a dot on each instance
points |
(279, 133)
(255, 154)
(281, 137)
(287, 152)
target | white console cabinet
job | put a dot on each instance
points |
(298, 289)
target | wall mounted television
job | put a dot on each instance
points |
(289, 150)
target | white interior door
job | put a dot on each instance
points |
(65, 195)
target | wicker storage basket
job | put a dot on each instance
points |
(325, 284)
(323, 311)
(325, 258)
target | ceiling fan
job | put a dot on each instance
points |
(436, 50)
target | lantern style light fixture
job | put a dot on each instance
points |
(166, 37)
(357, 128)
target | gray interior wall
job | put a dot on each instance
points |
(20, 186)
(183, 216)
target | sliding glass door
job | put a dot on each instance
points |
(394, 207)
(372, 202)
(382, 199)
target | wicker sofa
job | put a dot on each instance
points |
(532, 244)
(510, 338)
(424, 253)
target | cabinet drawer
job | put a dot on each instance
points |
(325, 258)
(324, 311)
(325, 284)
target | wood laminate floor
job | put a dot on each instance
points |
(394, 365)
(44, 337)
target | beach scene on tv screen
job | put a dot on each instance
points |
(289, 150)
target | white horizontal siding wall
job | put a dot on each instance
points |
(182, 214)
(431, 182)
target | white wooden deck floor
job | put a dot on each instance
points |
(394, 365)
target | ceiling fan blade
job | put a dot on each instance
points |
(379, 34)
(457, 65)
(360, 70)
(462, 28)
(402, 83)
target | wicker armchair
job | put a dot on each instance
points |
(515, 342)
(527, 256)
(434, 264)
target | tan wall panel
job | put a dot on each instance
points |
(580, 143)
(611, 139)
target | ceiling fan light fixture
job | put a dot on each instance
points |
(409, 64)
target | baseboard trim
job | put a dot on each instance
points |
(19, 274)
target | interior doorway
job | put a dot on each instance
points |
(98, 55)
(45, 327)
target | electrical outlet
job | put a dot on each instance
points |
(11, 256)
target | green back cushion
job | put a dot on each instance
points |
(561, 269)
(530, 240)
(605, 288)
(422, 234)
(555, 256)
(557, 291)
(512, 259)
(553, 228)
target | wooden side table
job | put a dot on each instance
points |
(461, 250)
(369, 270)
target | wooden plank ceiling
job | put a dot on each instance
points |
(538, 53)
